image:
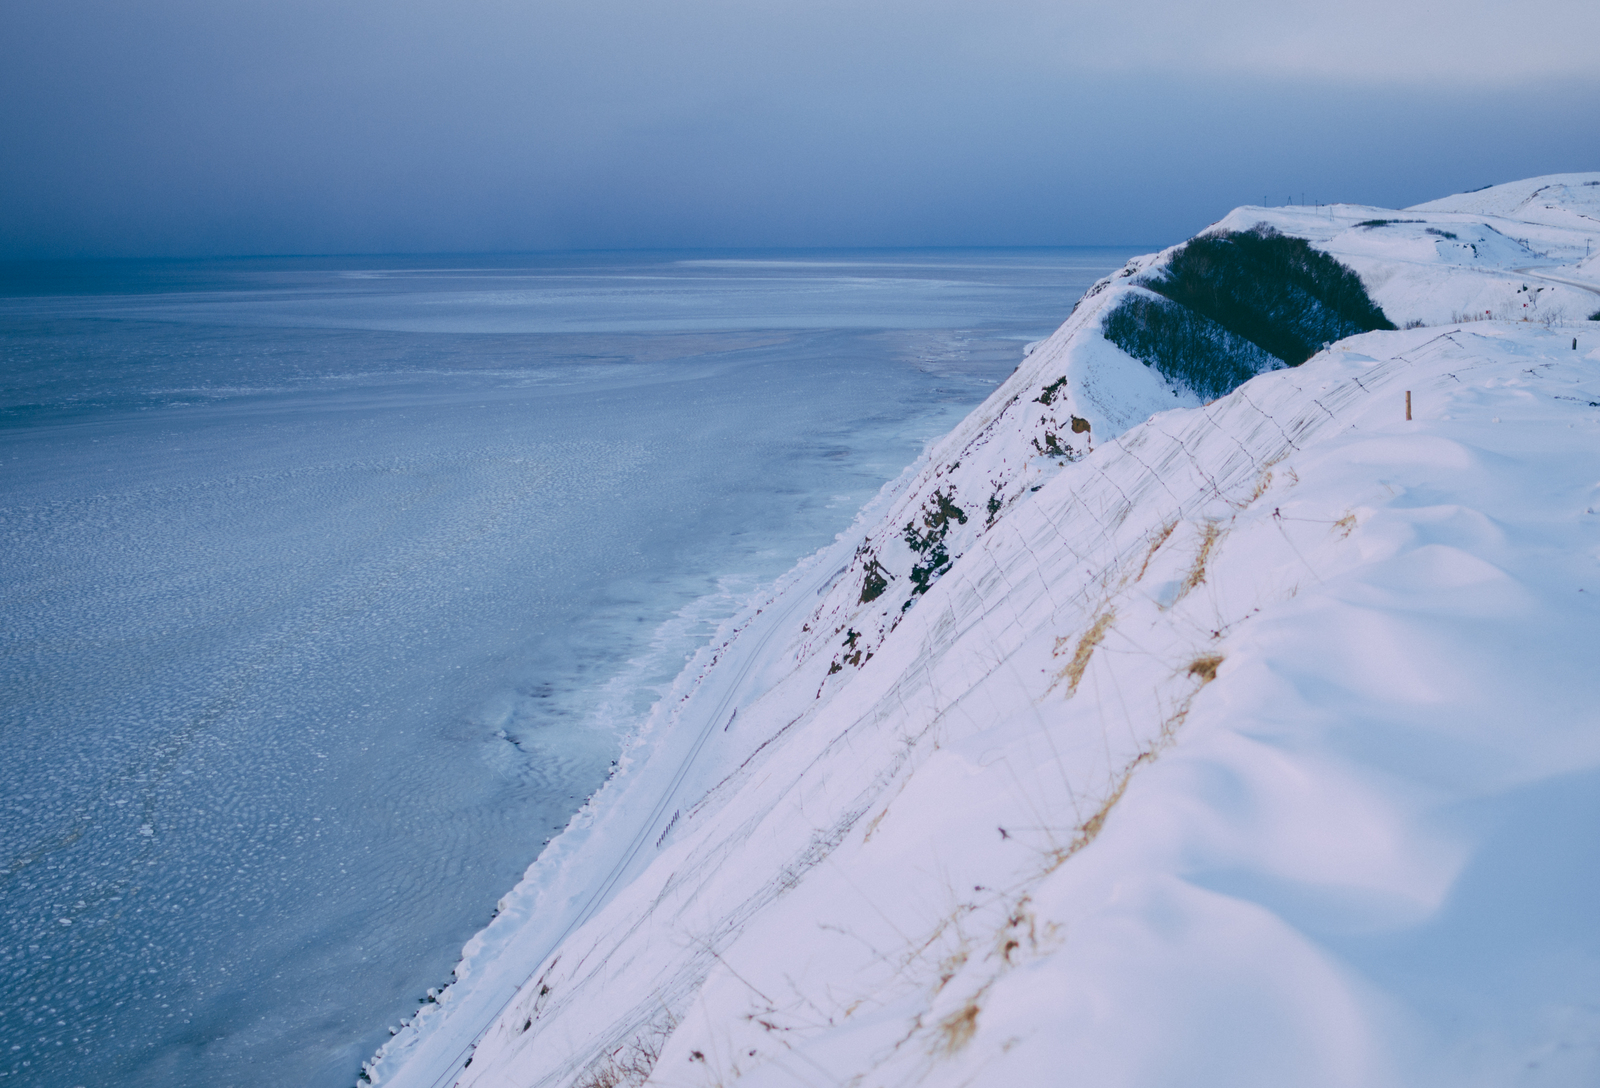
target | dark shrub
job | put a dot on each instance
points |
(875, 582)
(1273, 290)
(1241, 303)
(1186, 348)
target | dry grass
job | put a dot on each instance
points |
(1347, 524)
(957, 1029)
(630, 1064)
(1090, 829)
(1204, 668)
(1021, 926)
(949, 967)
(1156, 541)
(1210, 533)
(1263, 483)
(607, 1076)
(1073, 672)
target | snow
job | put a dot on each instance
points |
(1565, 200)
(1524, 249)
(1251, 742)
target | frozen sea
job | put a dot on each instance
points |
(329, 589)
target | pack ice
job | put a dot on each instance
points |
(1132, 738)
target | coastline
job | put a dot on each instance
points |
(315, 554)
(575, 875)
(919, 700)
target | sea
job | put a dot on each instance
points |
(331, 587)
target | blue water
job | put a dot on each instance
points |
(329, 587)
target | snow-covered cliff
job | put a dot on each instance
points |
(1130, 739)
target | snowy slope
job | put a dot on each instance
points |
(1131, 740)
(1565, 200)
(1525, 249)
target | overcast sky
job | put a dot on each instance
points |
(190, 127)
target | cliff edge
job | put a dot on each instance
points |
(1216, 704)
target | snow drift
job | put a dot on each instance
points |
(1135, 740)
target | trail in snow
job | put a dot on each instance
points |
(1592, 288)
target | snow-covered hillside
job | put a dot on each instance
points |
(1135, 740)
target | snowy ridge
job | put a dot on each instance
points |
(1132, 740)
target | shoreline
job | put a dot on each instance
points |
(1294, 520)
(549, 903)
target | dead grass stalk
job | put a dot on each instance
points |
(1073, 672)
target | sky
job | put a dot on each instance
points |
(230, 127)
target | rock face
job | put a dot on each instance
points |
(1135, 739)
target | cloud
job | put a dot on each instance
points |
(178, 126)
(1465, 44)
